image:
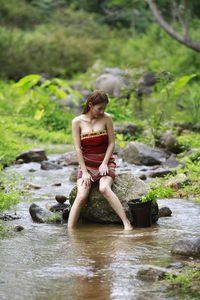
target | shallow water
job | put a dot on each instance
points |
(93, 261)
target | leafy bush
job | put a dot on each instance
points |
(51, 53)
(14, 15)
(154, 194)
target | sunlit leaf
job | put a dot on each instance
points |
(38, 114)
(61, 94)
(30, 79)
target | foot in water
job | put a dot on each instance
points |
(128, 227)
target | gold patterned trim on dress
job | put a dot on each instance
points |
(93, 134)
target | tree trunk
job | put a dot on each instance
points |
(183, 39)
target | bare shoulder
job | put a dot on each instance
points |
(76, 120)
(107, 116)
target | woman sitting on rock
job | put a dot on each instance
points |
(93, 138)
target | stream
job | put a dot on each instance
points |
(92, 261)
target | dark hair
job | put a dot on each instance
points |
(96, 97)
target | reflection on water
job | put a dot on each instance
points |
(93, 261)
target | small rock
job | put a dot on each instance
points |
(159, 173)
(176, 265)
(19, 161)
(143, 176)
(47, 165)
(176, 181)
(33, 186)
(57, 184)
(32, 170)
(60, 198)
(9, 217)
(18, 228)
(152, 273)
(65, 213)
(164, 212)
(58, 207)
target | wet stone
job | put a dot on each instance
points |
(152, 273)
(164, 212)
(143, 176)
(61, 198)
(34, 155)
(65, 213)
(39, 214)
(48, 165)
(176, 265)
(159, 173)
(58, 207)
(18, 228)
(32, 170)
(187, 247)
(31, 186)
(9, 217)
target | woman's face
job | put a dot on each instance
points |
(97, 110)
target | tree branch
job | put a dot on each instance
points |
(183, 39)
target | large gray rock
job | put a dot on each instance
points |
(127, 128)
(34, 155)
(126, 187)
(112, 81)
(171, 162)
(67, 159)
(141, 154)
(168, 142)
(43, 215)
(74, 101)
(187, 247)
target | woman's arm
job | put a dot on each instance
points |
(111, 145)
(77, 145)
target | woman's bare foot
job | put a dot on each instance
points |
(128, 226)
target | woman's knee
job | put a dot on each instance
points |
(104, 190)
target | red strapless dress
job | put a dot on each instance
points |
(94, 145)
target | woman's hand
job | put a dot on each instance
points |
(103, 169)
(86, 179)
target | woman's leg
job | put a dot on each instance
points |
(81, 197)
(105, 188)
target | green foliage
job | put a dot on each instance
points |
(14, 15)
(189, 140)
(50, 50)
(55, 217)
(11, 145)
(115, 108)
(10, 194)
(185, 283)
(3, 230)
(154, 194)
(31, 111)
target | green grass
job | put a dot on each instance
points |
(185, 284)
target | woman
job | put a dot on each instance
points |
(93, 138)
